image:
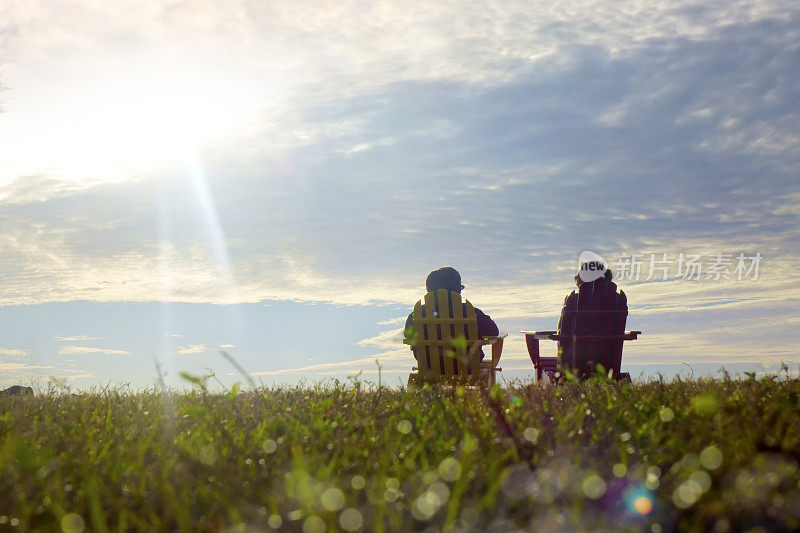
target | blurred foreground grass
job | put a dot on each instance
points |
(704, 455)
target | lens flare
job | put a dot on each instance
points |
(643, 505)
(639, 500)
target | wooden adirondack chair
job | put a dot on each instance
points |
(446, 343)
(590, 332)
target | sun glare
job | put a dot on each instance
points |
(110, 126)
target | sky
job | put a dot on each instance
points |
(276, 180)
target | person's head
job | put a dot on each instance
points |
(607, 277)
(444, 278)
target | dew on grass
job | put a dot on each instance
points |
(275, 521)
(690, 462)
(711, 457)
(531, 435)
(519, 481)
(666, 414)
(429, 477)
(358, 482)
(72, 523)
(701, 479)
(429, 502)
(685, 495)
(269, 446)
(351, 520)
(619, 470)
(625, 437)
(593, 486)
(314, 524)
(450, 469)
(332, 499)
(404, 427)
(688, 492)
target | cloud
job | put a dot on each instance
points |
(14, 352)
(396, 363)
(6, 368)
(77, 338)
(33, 373)
(393, 321)
(192, 349)
(82, 350)
(501, 138)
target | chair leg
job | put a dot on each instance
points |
(533, 351)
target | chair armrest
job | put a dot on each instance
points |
(540, 335)
(497, 346)
(627, 336)
(491, 339)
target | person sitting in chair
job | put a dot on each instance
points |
(598, 295)
(449, 278)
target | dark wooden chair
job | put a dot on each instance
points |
(446, 344)
(590, 333)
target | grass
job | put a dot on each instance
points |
(700, 455)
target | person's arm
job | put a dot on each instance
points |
(569, 305)
(486, 326)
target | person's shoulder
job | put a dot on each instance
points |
(479, 312)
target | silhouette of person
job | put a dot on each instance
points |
(449, 278)
(600, 294)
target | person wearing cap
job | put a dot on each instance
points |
(449, 278)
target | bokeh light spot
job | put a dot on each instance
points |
(643, 505)
(711, 457)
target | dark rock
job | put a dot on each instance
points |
(16, 390)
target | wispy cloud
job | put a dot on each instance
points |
(78, 338)
(14, 352)
(83, 350)
(192, 349)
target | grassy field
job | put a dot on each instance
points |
(701, 455)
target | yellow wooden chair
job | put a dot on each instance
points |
(445, 341)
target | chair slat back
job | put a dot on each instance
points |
(595, 309)
(445, 335)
